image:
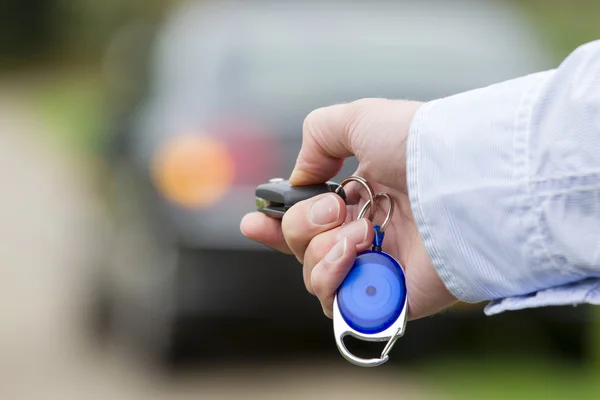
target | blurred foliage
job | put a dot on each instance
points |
(64, 33)
(499, 378)
(72, 105)
(92, 23)
(566, 24)
(28, 30)
(58, 49)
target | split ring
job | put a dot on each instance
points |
(370, 192)
(390, 212)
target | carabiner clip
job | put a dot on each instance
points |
(371, 303)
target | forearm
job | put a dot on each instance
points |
(504, 183)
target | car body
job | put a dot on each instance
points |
(229, 85)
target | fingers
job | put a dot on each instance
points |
(264, 229)
(299, 225)
(330, 272)
(358, 236)
(326, 143)
(309, 218)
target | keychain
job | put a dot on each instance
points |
(371, 302)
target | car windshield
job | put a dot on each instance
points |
(322, 67)
(258, 57)
(261, 71)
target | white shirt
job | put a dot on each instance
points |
(504, 183)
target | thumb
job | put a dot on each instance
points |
(326, 143)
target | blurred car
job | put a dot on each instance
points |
(227, 87)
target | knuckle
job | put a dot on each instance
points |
(308, 283)
(327, 310)
(313, 266)
(317, 249)
(317, 283)
(356, 114)
(311, 121)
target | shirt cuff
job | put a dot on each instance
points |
(467, 176)
(584, 292)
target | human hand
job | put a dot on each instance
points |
(322, 232)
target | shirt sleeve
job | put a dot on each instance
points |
(504, 183)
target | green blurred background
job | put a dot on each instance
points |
(51, 61)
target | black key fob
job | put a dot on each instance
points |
(278, 195)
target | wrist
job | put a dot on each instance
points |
(408, 110)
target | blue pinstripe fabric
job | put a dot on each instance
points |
(504, 183)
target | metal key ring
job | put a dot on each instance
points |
(388, 217)
(370, 192)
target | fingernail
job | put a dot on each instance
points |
(355, 230)
(325, 211)
(337, 250)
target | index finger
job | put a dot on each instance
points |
(261, 228)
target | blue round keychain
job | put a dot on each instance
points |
(371, 303)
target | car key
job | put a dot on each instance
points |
(278, 195)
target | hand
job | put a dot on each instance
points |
(323, 232)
